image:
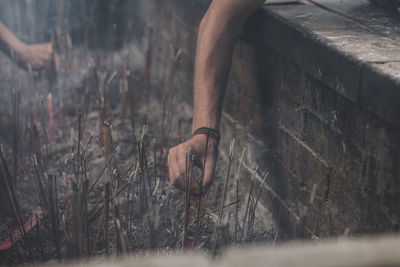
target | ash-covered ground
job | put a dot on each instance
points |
(88, 154)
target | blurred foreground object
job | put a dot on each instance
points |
(367, 251)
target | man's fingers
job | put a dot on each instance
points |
(46, 56)
(48, 47)
(195, 188)
(45, 47)
(179, 183)
(177, 172)
(173, 175)
(36, 64)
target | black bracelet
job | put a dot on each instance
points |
(209, 132)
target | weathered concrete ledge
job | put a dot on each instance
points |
(350, 46)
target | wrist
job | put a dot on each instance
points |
(18, 47)
(209, 133)
(199, 143)
(203, 136)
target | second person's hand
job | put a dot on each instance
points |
(34, 57)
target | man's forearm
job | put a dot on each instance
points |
(8, 41)
(216, 41)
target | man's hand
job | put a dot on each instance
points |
(34, 57)
(177, 162)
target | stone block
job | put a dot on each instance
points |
(337, 150)
(306, 166)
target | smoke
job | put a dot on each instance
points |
(99, 23)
